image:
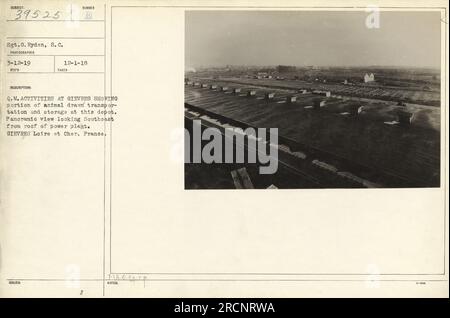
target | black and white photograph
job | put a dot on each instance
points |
(312, 99)
(335, 114)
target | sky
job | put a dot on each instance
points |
(303, 38)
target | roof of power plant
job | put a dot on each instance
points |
(346, 127)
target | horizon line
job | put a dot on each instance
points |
(308, 66)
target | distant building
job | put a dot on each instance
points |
(269, 95)
(369, 78)
(291, 99)
(285, 68)
(360, 109)
(323, 93)
(355, 109)
(317, 103)
(405, 118)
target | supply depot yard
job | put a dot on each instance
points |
(338, 128)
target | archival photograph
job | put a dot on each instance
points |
(312, 99)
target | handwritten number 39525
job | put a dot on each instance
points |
(36, 14)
